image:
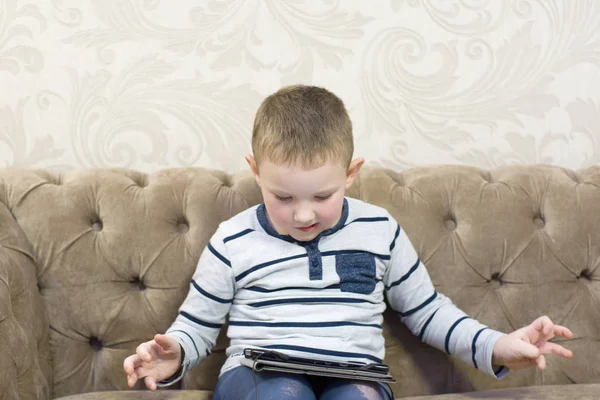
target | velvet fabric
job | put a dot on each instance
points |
(94, 262)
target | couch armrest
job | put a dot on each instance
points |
(25, 369)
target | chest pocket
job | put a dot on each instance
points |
(357, 272)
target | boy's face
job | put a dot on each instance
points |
(303, 203)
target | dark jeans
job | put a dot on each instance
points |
(240, 384)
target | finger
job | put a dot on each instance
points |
(164, 341)
(556, 349)
(132, 379)
(541, 362)
(527, 350)
(128, 365)
(543, 325)
(143, 351)
(131, 363)
(541, 343)
(154, 350)
(150, 383)
(137, 373)
(562, 331)
(141, 372)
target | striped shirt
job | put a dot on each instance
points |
(323, 298)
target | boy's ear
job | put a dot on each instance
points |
(253, 167)
(353, 170)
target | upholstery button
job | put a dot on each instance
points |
(95, 343)
(97, 225)
(586, 274)
(486, 176)
(398, 178)
(142, 181)
(539, 222)
(137, 282)
(496, 279)
(450, 224)
(227, 181)
(183, 226)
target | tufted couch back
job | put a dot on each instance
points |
(93, 262)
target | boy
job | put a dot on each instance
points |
(306, 271)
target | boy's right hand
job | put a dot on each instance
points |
(154, 361)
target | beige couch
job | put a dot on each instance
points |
(93, 262)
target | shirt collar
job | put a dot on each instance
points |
(261, 214)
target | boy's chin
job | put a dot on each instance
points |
(305, 237)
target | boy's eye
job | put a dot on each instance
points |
(283, 198)
(322, 197)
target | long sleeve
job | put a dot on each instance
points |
(203, 312)
(431, 315)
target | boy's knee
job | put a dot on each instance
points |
(364, 391)
(284, 388)
(355, 391)
(295, 390)
(369, 391)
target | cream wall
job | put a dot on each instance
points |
(150, 84)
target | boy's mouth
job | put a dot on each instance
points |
(308, 228)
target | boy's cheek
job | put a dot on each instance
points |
(277, 215)
(333, 212)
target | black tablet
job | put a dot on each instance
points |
(270, 360)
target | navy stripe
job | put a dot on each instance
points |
(474, 347)
(422, 333)
(210, 296)
(265, 290)
(308, 300)
(323, 254)
(336, 252)
(395, 237)
(200, 322)
(237, 235)
(219, 256)
(406, 276)
(454, 325)
(330, 324)
(324, 352)
(414, 310)
(266, 264)
(368, 219)
(192, 340)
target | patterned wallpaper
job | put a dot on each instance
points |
(151, 84)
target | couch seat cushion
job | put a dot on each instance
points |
(143, 395)
(551, 392)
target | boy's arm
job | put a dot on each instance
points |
(431, 315)
(203, 312)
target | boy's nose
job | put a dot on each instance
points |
(304, 215)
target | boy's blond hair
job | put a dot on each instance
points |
(302, 124)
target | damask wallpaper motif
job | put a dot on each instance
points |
(151, 84)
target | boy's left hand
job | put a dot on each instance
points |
(526, 346)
